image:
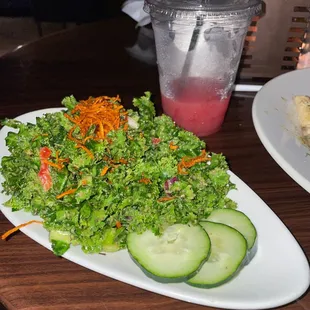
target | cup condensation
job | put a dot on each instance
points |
(198, 49)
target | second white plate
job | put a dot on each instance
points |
(275, 122)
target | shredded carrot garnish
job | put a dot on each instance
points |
(145, 181)
(188, 162)
(163, 199)
(181, 170)
(101, 113)
(68, 192)
(130, 137)
(172, 146)
(11, 231)
(59, 162)
(58, 166)
(84, 182)
(123, 161)
(90, 154)
(104, 170)
(118, 224)
(94, 118)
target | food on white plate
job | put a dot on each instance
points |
(109, 179)
(302, 104)
(237, 220)
(176, 255)
(228, 253)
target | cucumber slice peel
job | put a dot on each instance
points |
(237, 220)
(228, 253)
(175, 255)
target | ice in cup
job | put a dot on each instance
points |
(199, 46)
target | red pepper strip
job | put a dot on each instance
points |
(44, 173)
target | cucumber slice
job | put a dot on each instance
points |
(228, 252)
(237, 220)
(175, 255)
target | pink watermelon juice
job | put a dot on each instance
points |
(196, 105)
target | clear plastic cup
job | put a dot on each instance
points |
(199, 46)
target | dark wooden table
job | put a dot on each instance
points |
(91, 60)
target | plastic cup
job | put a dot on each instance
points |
(199, 46)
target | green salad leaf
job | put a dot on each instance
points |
(98, 192)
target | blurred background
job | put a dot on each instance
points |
(22, 21)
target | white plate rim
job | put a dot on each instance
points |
(227, 305)
(293, 173)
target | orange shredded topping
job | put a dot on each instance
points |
(104, 170)
(58, 166)
(188, 162)
(118, 224)
(84, 182)
(130, 137)
(68, 192)
(172, 146)
(102, 113)
(163, 199)
(145, 181)
(59, 162)
(11, 231)
(90, 154)
(123, 161)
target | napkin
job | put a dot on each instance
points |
(134, 8)
(144, 48)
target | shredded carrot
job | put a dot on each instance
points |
(130, 137)
(63, 160)
(145, 181)
(59, 162)
(58, 166)
(90, 154)
(172, 146)
(181, 170)
(103, 113)
(84, 182)
(104, 170)
(123, 161)
(94, 118)
(118, 224)
(188, 162)
(68, 192)
(11, 231)
(163, 199)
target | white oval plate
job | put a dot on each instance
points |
(278, 273)
(274, 118)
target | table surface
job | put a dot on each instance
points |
(92, 60)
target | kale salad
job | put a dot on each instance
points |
(96, 172)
